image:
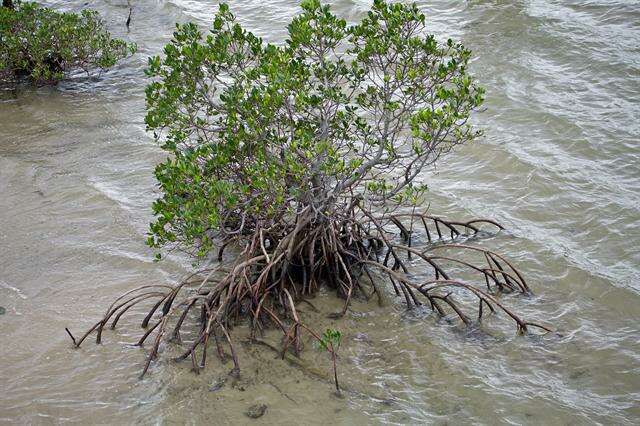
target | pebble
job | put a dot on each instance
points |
(256, 411)
(217, 385)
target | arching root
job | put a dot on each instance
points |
(278, 267)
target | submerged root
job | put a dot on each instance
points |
(280, 266)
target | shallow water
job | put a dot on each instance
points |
(559, 167)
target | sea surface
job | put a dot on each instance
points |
(559, 167)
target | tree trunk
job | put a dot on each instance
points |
(7, 3)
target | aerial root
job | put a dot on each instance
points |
(278, 267)
(444, 229)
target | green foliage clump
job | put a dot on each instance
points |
(330, 339)
(44, 45)
(258, 131)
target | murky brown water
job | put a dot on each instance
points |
(560, 167)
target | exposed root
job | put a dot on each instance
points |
(434, 225)
(278, 267)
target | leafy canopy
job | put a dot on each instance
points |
(258, 132)
(44, 45)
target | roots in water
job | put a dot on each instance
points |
(279, 267)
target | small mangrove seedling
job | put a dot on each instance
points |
(299, 165)
(44, 45)
(330, 342)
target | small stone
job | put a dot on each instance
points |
(217, 385)
(256, 411)
(2, 310)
